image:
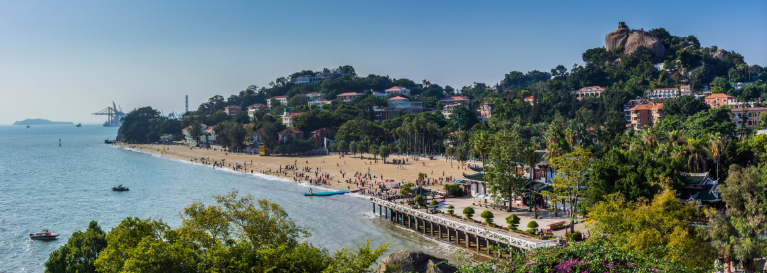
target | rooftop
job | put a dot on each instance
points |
(719, 95)
(396, 88)
(292, 131)
(291, 115)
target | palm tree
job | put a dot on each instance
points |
(717, 145)
(698, 152)
(450, 152)
(481, 144)
(353, 148)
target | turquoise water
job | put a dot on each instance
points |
(63, 188)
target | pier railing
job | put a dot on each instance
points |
(516, 241)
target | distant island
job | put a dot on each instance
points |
(38, 121)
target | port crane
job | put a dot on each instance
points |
(113, 115)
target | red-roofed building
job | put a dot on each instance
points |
(719, 99)
(348, 96)
(529, 99)
(589, 91)
(397, 90)
(319, 102)
(319, 136)
(685, 90)
(297, 134)
(205, 129)
(646, 114)
(627, 108)
(455, 99)
(282, 99)
(232, 110)
(287, 118)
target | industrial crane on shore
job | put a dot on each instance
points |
(113, 115)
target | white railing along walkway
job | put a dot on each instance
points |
(520, 242)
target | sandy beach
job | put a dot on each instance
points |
(331, 165)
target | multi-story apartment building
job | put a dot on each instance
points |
(662, 94)
(449, 108)
(747, 116)
(485, 111)
(645, 115)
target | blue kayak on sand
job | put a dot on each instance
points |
(329, 193)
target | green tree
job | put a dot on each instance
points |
(450, 209)
(230, 135)
(469, 212)
(684, 107)
(571, 176)
(80, 251)
(219, 117)
(383, 152)
(532, 224)
(645, 225)
(488, 216)
(503, 179)
(735, 234)
(513, 221)
(362, 260)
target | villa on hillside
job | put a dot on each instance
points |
(207, 134)
(287, 118)
(318, 77)
(646, 115)
(662, 94)
(396, 105)
(685, 90)
(232, 109)
(319, 102)
(529, 99)
(255, 108)
(485, 111)
(348, 96)
(627, 108)
(449, 108)
(282, 99)
(589, 91)
(397, 90)
(295, 133)
(321, 135)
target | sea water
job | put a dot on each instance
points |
(62, 188)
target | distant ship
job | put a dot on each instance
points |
(27, 126)
(79, 125)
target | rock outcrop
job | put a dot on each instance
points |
(633, 39)
(617, 38)
(415, 261)
(720, 53)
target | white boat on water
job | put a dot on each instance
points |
(44, 235)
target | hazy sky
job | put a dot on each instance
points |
(62, 60)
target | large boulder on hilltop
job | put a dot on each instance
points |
(415, 261)
(617, 38)
(633, 39)
(720, 53)
(641, 38)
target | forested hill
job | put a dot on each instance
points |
(624, 77)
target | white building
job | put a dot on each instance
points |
(449, 108)
(739, 85)
(313, 96)
(287, 118)
(662, 93)
(378, 94)
(282, 99)
(206, 130)
(397, 90)
(319, 102)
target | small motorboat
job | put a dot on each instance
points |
(27, 126)
(44, 235)
(79, 125)
(120, 188)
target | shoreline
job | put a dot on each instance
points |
(338, 171)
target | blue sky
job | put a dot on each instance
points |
(67, 59)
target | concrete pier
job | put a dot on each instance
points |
(475, 238)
